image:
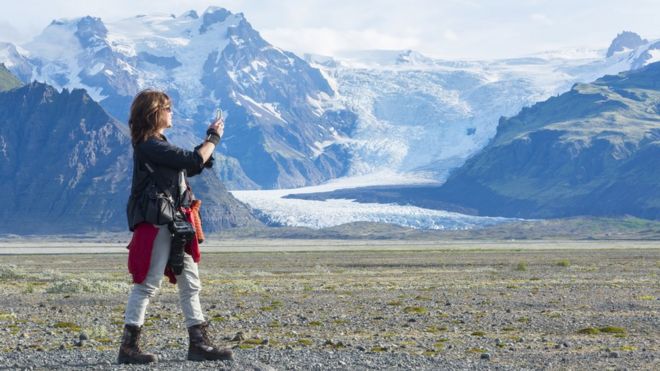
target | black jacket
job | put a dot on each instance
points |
(173, 164)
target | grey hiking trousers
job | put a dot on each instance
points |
(188, 284)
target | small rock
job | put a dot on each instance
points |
(485, 356)
(239, 336)
(566, 344)
(24, 335)
(62, 346)
(361, 348)
(508, 310)
(498, 341)
(412, 320)
(614, 355)
(557, 346)
(83, 336)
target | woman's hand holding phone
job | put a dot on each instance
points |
(218, 125)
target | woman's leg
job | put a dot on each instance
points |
(129, 350)
(201, 347)
(142, 292)
(189, 288)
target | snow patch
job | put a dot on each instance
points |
(655, 56)
(96, 69)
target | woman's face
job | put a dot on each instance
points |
(168, 116)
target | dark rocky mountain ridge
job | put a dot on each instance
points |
(65, 167)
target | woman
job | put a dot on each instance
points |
(149, 249)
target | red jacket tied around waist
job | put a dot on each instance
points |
(141, 246)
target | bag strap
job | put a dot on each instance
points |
(156, 176)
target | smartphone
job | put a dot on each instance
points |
(218, 114)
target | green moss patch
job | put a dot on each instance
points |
(415, 310)
(67, 325)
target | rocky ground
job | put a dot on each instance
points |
(431, 309)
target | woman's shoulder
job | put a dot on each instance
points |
(153, 142)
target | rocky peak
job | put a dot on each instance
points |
(411, 57)
(625, 40)
(191, 14)
(211, 16)
(91, 32)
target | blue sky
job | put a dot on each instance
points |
(453, 29)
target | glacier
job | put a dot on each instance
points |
(417, 113)
(279, 211)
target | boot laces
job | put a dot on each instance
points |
(205, 336)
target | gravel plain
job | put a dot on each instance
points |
(367, 308)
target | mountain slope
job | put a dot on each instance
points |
(7, 80)
(65, 167)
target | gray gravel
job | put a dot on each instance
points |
(426, 310)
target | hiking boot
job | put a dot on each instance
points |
(129, 350)
(201, 348)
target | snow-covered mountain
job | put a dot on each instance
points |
(294, 122)
(280, 129)
(425, 115)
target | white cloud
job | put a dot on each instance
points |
(326, 41)
(450, 35)
(448, 29)
(9, 33)
(542, 18)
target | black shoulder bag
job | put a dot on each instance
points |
(163, 203)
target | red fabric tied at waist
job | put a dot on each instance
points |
(142, 244)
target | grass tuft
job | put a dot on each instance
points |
(612, 330)
(415, 310)
(589, 331)
(67, 325)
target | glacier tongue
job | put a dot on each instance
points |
(321, 214)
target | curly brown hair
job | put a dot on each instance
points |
(148, 114)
